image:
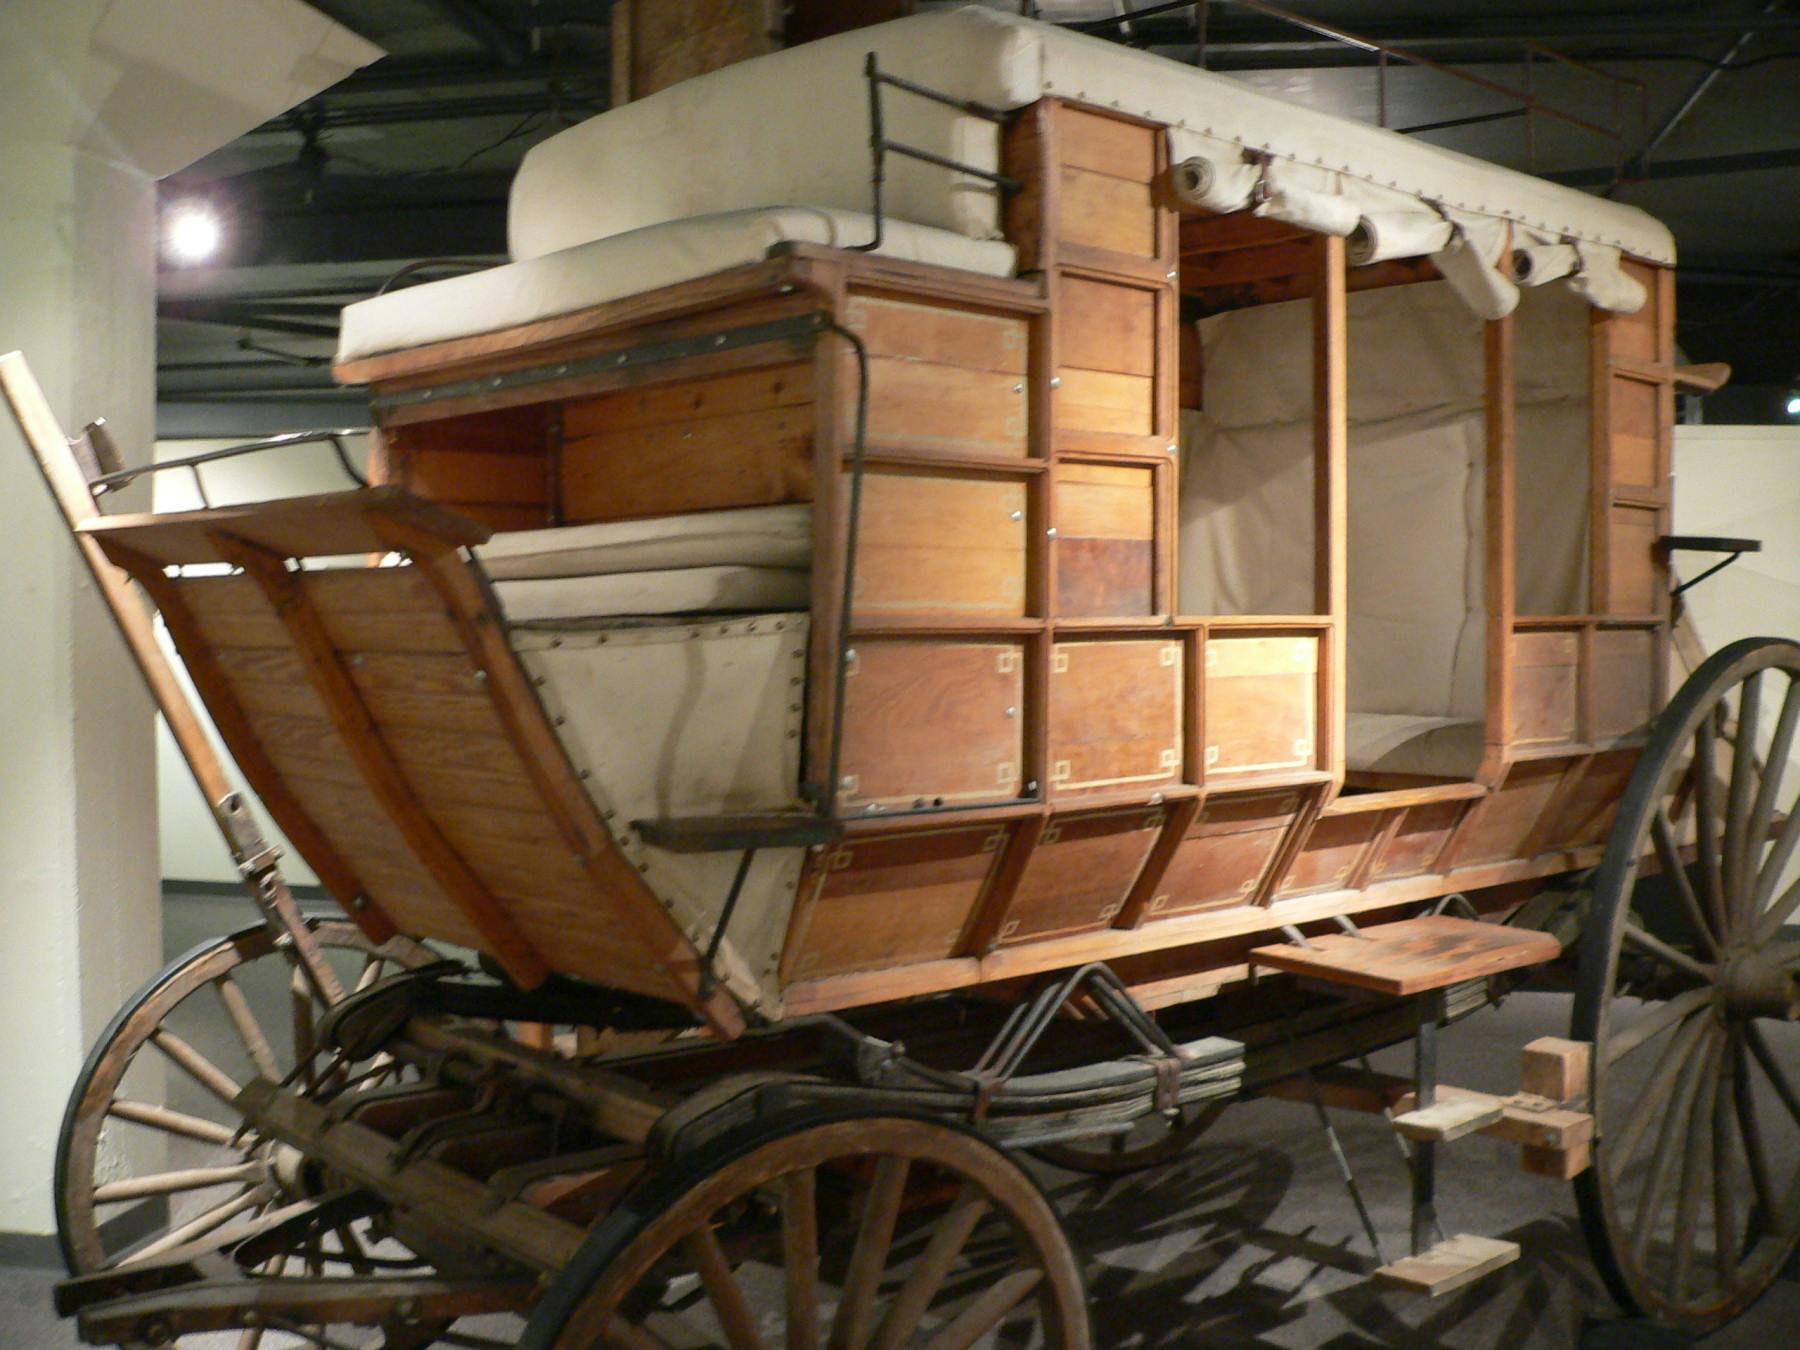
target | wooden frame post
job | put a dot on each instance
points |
(1331, 532)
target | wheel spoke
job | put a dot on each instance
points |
(170, 1183)
(171, 1121)
(370, 973)
(1768, 794)
(1737, 798)
(1706, 821)
(200, 1225)
(875, 1235)
(300, 1005)
(621, 1335)
(1652, 1024)
(1724, 1184)
(1668, 854)
(1694, 1169)
(1759, 1046)
(196, 1065)
(984, 1314)
(703, 1249)
(1749, 1132)
(800, 1257)
(1776, 915)
(1668, 1152)
(927, 1278)
(1663, 1077)
(1666, 954)
(237, 1008)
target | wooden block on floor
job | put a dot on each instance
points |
(1564, 1164)
(1451, 1116)
(1556, 1068)
(1413, 956)
(1451, 1264)
(1535, 1122)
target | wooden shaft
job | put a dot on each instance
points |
(1331, 530)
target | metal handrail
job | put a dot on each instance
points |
(103, 483)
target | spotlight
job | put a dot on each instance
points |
(192, 232)
(1793, 405)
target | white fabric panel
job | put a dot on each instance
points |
(1600, 281)
(1396, 234)
(681, 590)
(1223, 186)
(1471, 262)
(630, 264)
(1436, 747)
(793, 126)
(688, 720)
(1246, 544)
(1551, 444)
(758, 536)
(1535, 264)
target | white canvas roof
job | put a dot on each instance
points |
(793, 127)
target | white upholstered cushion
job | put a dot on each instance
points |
(793, 126)
(1432, 747)
(681, 590)
(751, 536)
(592, 273)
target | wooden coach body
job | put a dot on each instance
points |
(1061, 739)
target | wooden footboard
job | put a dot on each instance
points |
(376, 709)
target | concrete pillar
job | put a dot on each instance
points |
(97, 99)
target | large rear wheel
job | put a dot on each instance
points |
(1689, 990)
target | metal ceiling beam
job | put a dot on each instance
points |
(1754, 161)
(474, 21)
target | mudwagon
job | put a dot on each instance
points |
(1125, 597)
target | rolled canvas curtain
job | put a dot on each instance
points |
(1213, 184)
(1535, 264)
(1382, 235)
(1470, 263)
(1603, 283)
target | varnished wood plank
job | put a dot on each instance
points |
(1414, 955)
(297, 527)
(949, 547)
(1115, 716)
(686, 401)
(287, 595)
(757, 458)
(1104, 212)
(924, 405)
(965, 338)
(1106, 326)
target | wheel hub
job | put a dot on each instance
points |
(1764, 983)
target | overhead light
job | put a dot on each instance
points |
(1793, 405)
(192, 232)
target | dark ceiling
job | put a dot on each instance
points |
(1692, 111)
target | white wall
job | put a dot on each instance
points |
(191, 847)
(1743, 482)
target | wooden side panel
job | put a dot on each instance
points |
(1546, 687)
(1106, 357)
(931, 723)
(950, 548)
(877, 903)
(941, 380)
(1624, 681)
(1080, 874)
(736, 439)
(1115, 716)
(1261, 702)
(1633, 571)
(1328, 859)
(1585, 813)
(1417, 841)
(1636, 414)
(1502, 822)
(1105, 539)
(1227, 851)
(494, 466)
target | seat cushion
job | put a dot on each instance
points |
(645, 259)
(679, 590)
(754, 536)
(1432, 747)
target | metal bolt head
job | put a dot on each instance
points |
(1051, 532)
(1018, 515)
(1056, 382)
(358, 903)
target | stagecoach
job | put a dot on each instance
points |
(968, 591)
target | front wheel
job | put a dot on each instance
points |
(1689, 987)
(861, 1231)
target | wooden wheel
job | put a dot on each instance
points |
(855, 1232)
(1152, 1141)
(1689, 988)
(150, 1126)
